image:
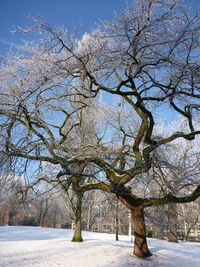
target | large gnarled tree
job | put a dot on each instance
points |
(147, 58)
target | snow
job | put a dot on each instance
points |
(22, 246)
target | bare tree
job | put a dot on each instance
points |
(148, 59)
(146, 63)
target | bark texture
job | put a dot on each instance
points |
(141, 249)
(77, 237)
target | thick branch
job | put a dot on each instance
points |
(170, 198)
(98, 185)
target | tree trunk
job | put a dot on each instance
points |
(43, 213)
(88, 219)
(55, 219)
(141, 249)
(78, 210)
(172, 236)
(117, 221)
(172, 216)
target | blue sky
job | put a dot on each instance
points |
(69, 13)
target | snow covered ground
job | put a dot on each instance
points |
(22, 246)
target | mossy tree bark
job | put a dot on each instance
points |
(77, 237)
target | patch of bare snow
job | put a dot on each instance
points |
(22, 246)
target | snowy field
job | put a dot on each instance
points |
(22, 246)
